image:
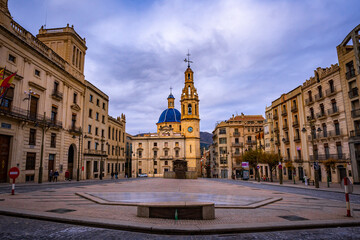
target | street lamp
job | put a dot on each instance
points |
(280, 165)
(316, 164)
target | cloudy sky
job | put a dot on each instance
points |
(245, 53)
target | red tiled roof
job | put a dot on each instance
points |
(247, 118)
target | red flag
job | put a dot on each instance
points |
(6, 84)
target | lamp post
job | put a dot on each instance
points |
(316, 164)
(280, 164)
(42, 149)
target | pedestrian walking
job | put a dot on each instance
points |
(67, 175)
(116, 174)
(56, 174)
(112, 175)
(51, 174)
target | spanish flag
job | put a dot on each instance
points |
(5, 84)
(2, 71)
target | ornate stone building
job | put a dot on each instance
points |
(326, 126)
(177, 136)
(44, 116)
(231, 139)
(349, 62)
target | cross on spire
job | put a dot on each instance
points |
(170, 90)
(188, 59)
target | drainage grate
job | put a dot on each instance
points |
(293, 218)
(310, 198)
(61, 210)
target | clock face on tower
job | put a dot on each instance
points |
(190, 129)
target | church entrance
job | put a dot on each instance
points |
(180, 169)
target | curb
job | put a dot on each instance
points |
(180, 229)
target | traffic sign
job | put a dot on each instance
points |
(280, 166)
(14, 172)
(257, 167)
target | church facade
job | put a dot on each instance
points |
(177, 137)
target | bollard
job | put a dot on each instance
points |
(346, 186)
(13, 187)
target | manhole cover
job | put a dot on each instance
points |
(293, 218)
(61, 210)
(310, 198)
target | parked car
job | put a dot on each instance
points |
(142, 175)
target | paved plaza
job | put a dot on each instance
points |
(289, 211)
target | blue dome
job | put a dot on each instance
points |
(171, 96)
(170, 115)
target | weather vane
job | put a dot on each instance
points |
(188, 59)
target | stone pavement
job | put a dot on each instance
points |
(292, 212)
(333, 187)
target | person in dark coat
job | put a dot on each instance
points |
(56, 174)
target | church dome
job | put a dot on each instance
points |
(170, 115)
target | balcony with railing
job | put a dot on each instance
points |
(295, 124)
(236, 134)
(323, 157)
(294, 108)
(333, 111)
(250, 142)
(298, 160)
(297, 139)
(331, 91)
(321, 115)
(237, 144)
(285, 127)
(57, 95)
(277, 142)
(94, 152)
(309, 101)
(311, 118)
(284, 112)
(286, 140)
(353, 93)
(75, 129)
(26, 115)
(236, 154)
(350, 74)
(276, 129)
(355, 133)
(355, 113)
(275, 117)
(319, 96)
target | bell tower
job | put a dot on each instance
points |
(190, 120)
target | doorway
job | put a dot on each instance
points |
(224, 173)
(33, 107)
(4, 157)
(301, 173)
(88, 169)
(342, 172)
(71, 155)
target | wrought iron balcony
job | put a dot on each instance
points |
(286, 140)
(355, 133)
(309, 101)
(295, 124)
(298, 160)
(237, 144)
(26, 115)
(319, 96)
(57, 95)
(353, 93)
(331, 91)
(276, 129)
(276, 117)
(350, 74)
(74, 129)
(321, 115)
(285, 127)
(333, 111)
(236, 154)
(236, 134)
(283, 113)
(355, 113)
(297, 139)
(294, 108)
(94, 152)
(323, 157)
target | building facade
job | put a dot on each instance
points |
(326, 126)
(231, 139)
(177, 136)
(349, 62)
(116, 146)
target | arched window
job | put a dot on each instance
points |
(195, 109)
(189, 109)
(189, 76)
(183, 110)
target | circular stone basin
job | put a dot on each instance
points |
(150, 197)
